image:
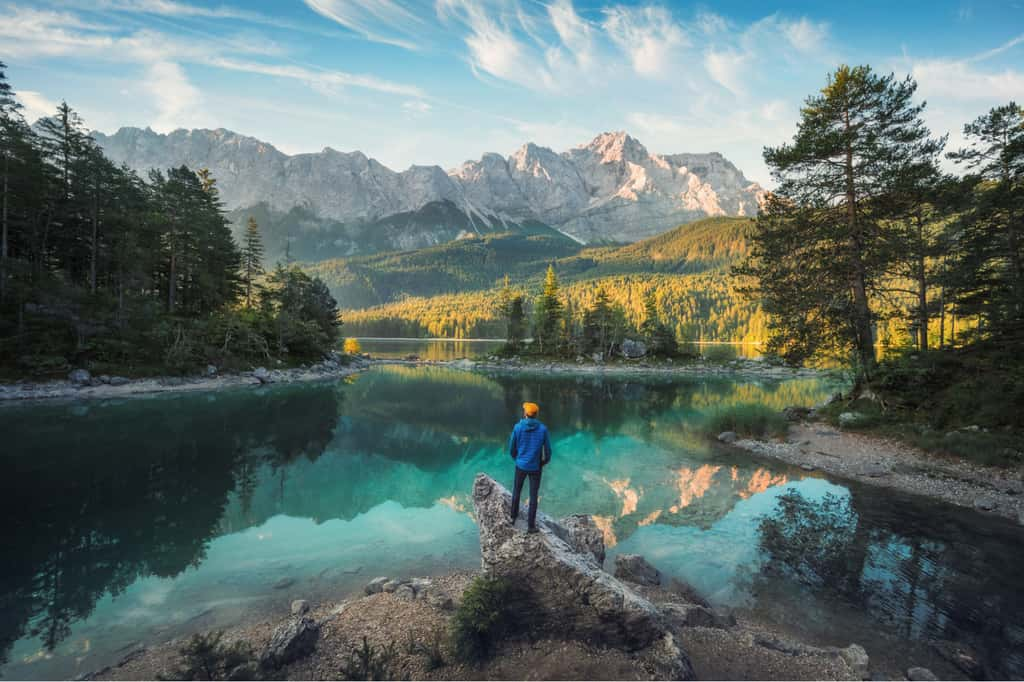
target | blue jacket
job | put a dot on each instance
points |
(529, 445)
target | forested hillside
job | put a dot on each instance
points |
(452, 290)
(105, 270)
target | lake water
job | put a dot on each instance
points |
(136, 521)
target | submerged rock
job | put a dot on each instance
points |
(566, 590)
(292, 640)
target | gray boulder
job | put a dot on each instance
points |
(300, 607)
(633, 349)
(566, 589)
(584, 536)
(796, 413)
(376, 585)
(406, 592)
(635, 569)
(920, 675)
(262, 375)
(80, 377)
(728, 437)
(119, 381)
(211, 370)
(857, 658)
(390, 586)
(850, 418)
(985, 504)
(292, 640)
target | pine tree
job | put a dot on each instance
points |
(817, 252)
(252, 258)
(548, 320)
(660, 338)
(988, 272)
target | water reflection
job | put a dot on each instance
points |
(153, 517)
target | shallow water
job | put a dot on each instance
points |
(136, 521)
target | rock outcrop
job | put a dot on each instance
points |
(292, 640)
(566, 589)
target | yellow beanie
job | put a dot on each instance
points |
(531, 409)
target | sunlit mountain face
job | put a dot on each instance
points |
(151, 518)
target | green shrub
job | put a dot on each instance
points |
(205, 657)
(482, 617)
(370, 662)
(748, 419)
(433, 650)
(719, 352)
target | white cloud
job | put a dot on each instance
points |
(805, 35)
(727, 68)
(35, 105)
(961, 81)
(177, 101)
(649, 36)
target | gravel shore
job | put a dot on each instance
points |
(892, 464)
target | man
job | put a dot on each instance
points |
(530, 447)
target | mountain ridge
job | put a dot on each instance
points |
(608, 189)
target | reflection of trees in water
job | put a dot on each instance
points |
(95, 518)
(957, 580)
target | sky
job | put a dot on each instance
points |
(442, 81)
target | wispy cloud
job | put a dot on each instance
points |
(323, 80)
(382, 21)
(649, 36)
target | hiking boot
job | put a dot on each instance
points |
(532, 529)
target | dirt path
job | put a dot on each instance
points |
(891, 464)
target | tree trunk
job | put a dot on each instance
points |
(95, 237)
(172, 276)
(922, 289)
(3, 244)
(861, 311)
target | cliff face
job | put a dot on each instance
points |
(611, 188)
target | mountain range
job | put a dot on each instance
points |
(331, 203)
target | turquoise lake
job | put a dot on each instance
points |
(135, 521)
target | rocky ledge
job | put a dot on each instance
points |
(579, 621)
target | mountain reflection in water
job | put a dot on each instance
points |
(143, 519)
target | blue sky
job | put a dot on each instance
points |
(442, 81)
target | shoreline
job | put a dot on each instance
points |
(64, 389)
(884, 462)
(56, 390)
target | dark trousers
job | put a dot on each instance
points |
(517, 491)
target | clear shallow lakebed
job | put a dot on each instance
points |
(135, 521)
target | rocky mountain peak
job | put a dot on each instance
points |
(617, 147)
(610, 188)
